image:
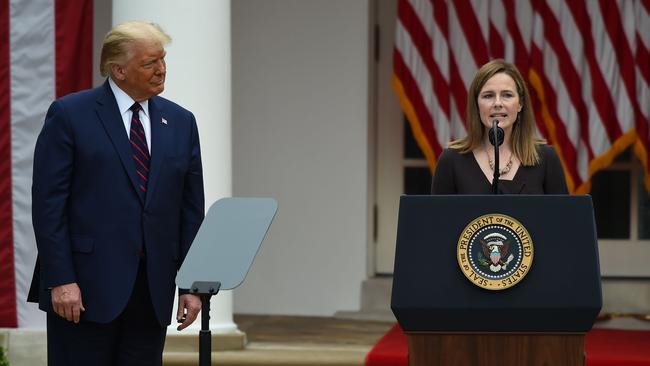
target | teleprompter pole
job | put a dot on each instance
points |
(206, 290)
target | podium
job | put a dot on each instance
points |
(496, 280)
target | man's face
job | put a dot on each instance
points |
(143, 75)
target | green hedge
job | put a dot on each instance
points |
(4, 361)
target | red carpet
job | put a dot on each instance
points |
(604, 347)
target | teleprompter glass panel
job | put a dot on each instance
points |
(610, 192)
(417, 180)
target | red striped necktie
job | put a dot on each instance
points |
(141, 155)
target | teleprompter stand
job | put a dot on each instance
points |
(222, 254)
(205, 290)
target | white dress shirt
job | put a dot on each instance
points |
(124, 103)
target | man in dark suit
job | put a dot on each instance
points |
(117, 200)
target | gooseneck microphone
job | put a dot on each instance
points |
(496, 136)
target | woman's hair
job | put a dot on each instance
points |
(524, 144)
(116, 48)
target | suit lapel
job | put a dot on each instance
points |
(160, 140)
(109, 114)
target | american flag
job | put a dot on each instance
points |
(587, 64)
(45, 53)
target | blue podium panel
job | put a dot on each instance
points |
(559, 291)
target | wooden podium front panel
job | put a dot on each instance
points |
(430, 349)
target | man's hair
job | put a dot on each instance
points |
(116, 48)
(523, 141)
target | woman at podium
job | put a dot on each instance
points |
(527, 165)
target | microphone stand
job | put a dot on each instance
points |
(496, 138)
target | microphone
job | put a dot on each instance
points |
(496, 134)
(496, 137)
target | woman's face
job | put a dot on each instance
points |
(499, 100)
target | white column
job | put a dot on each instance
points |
(199, 79)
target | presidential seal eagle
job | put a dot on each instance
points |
(495, 247)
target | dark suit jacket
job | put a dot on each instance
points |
(90, 223)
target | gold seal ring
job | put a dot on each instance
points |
(495, 251)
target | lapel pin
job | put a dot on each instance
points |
(164, 121)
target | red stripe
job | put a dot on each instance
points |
(522, 59)
(570, 77)
(458, 90)
(643, 65)
(569, 151)
(8, 316)
(497, 49)
(423, 43)
(440, 15)
(74, 45)
(472, 31)
(643, 59)
(141, 175)
(456, 84)
(141, 163)
(136, 134)
(624, 55)
(537, 110)
(602, 100)
(139, 149)
(414, 96)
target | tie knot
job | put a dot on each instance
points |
(136, 107)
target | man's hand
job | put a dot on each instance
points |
(66, 301)
(189, 306)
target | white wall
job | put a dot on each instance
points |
(300, 135)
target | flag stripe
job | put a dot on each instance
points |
(31, 73)
(411, 92)
(521, 57)
(646, 4)
(422, 42)
(556, 132)
(451, 72)
(497, 48)
(472, 31)
(570, 78)
(8, 317)
(601, 100)
(594, 139)
(625, 62)
(437, 102)
(74, 45)
(497, 26)
(608, 30)
(552, 120)
(560, 113)
(642, 58)
(643, 40)
(32, 90)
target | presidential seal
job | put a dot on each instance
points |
(495, 251)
